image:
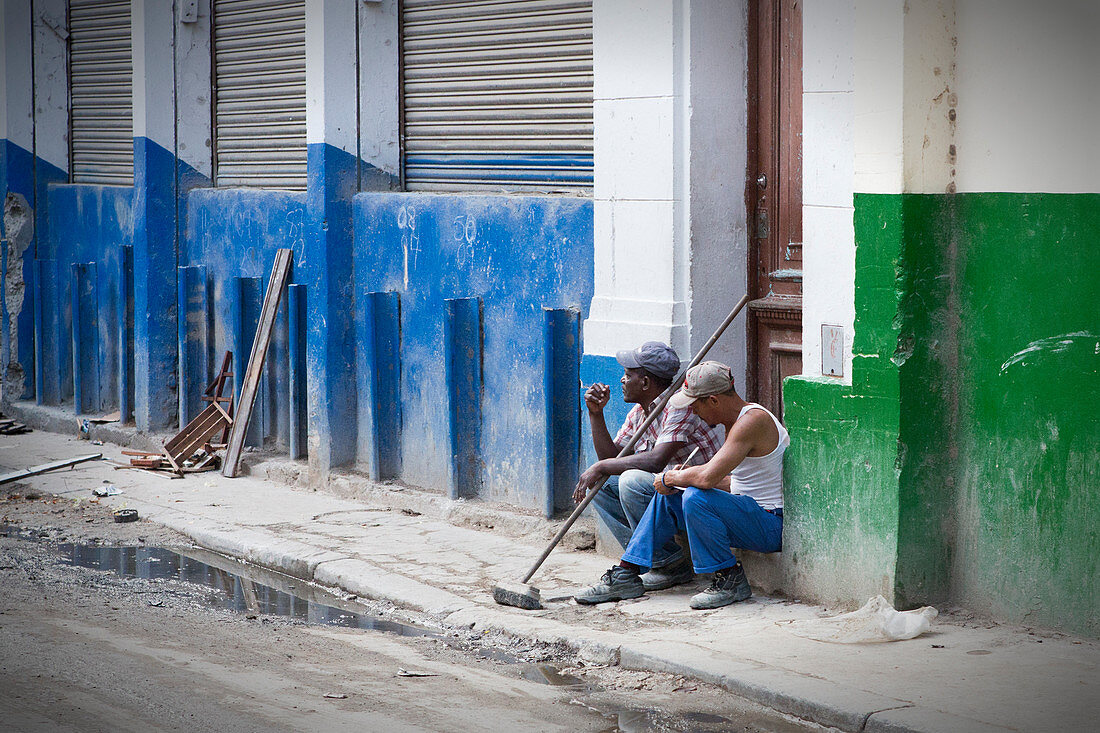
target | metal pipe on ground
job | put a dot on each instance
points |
(523, 595)
(35, 470)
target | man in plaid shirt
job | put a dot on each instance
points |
(667, 443)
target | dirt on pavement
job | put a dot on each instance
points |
(84, 649)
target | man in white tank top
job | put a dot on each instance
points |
(733, 500)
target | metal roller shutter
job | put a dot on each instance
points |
(497, 94)
(100, 92)
(260, 93)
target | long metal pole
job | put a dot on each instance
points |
(35, 470)
(660, 405)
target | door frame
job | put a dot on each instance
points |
(774, 103)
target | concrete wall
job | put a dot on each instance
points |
(828, 146)
(234, 234)
(1029, 360)
(519, 255)
(669, 177)
(171, 271)
(670, 160)
(88, 224)
(1027, 101)
(949, 225)
(17, 218)
(954, 467)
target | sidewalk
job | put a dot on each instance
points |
(984, 678)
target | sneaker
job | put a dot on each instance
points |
(617, 584)
(668, 576)
(728, 586)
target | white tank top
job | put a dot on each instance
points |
(761, 477)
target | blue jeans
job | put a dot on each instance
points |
(622, 502)
(715, 522)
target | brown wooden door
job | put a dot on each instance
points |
(774, 198)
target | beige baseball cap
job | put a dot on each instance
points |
(710, 377)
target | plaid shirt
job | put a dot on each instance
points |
(672, 426)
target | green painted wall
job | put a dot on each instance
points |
(962, 463)
(927, 357)
(840, 536)
(1028, 470)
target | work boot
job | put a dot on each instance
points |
(617, 584)
(728, 586)
(676, 574)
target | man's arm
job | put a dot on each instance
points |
(595, 399)
(715, 473)
(650, 460)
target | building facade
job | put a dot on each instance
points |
(487, 199)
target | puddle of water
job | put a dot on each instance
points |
(236, 585)
(546, 674)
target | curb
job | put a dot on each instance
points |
(793, 693)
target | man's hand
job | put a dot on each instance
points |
(588, 479)
(596, 397)
(661, 487)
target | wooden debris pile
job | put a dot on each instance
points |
(11, 427)
(194, 449)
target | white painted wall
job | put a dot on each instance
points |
(829, 130)
(928, 122)
(151, 34)
(330, 74)
(879, 66)
(669, 109)
(51, 83)
(16, 90)
(634, 108)
(1029, 95)
(379, 89)
(713, 191)
(882, 79)
(193, 91)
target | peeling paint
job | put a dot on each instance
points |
(19, 226)
(1078, 341)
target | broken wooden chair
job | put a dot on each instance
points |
(216, 417)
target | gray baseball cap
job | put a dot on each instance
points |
(710, 377)
(656, 358)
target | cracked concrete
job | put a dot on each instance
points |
(19, 234)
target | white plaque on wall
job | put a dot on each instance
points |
(832, 350)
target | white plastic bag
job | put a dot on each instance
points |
(876, 621)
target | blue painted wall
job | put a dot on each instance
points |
(20, 173)
(520, 254)
(235, 233)
(87, 224)
(17, 176)
(606, 370)
(16, 169)
(155, 259)
(332, 177)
